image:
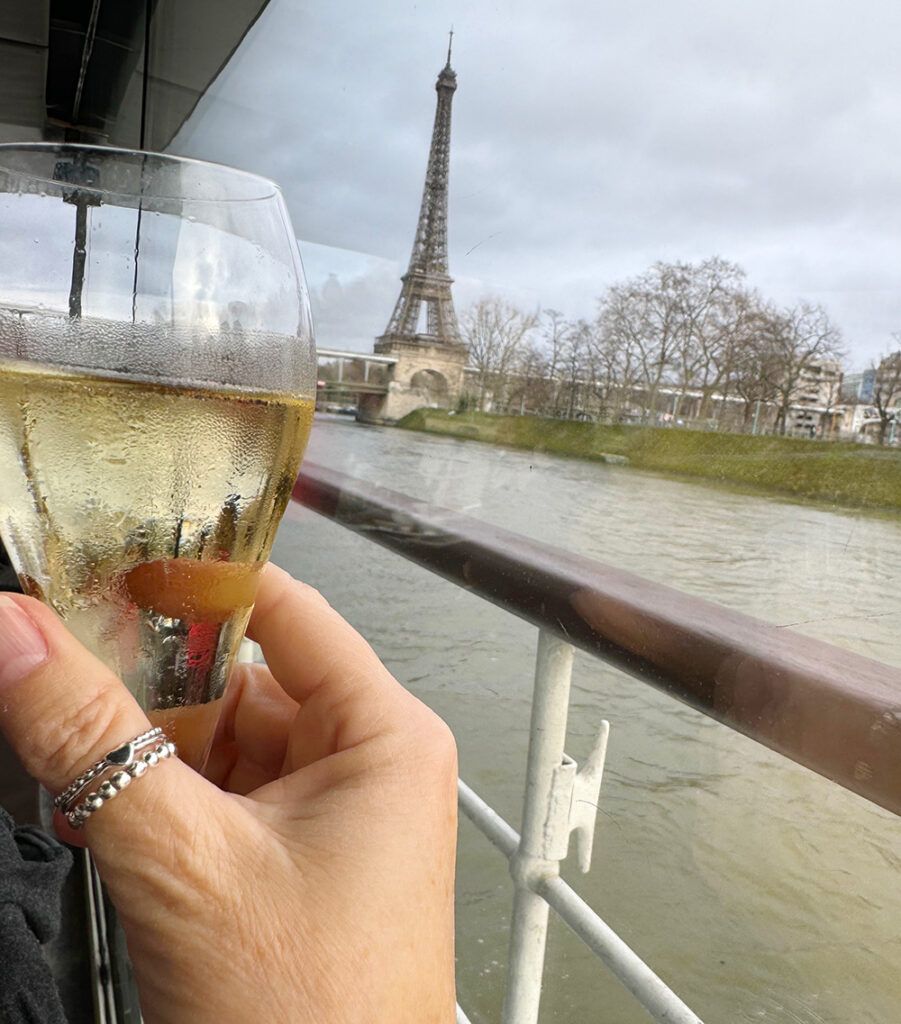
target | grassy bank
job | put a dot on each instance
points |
(842, 473)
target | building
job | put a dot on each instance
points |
(858, 386)
(814, 411)
(872, 399)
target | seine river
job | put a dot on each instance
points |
(759, 891)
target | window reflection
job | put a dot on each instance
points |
(673, 269)
(613, 179)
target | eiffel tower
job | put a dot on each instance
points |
(427, 282)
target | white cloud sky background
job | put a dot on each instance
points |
(589, 140)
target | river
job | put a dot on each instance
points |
(759, 891)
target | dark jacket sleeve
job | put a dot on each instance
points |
(33, 867)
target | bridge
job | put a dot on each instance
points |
(385, 386)
(355, 373)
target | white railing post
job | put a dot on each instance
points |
(545, 814)
(653, 994)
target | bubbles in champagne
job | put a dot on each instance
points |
(141, 512)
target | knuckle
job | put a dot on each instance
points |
(307, 593)
(444, 747)
(311, 593)
(83, 734)
(433, 744)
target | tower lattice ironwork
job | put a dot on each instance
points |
(427, 281)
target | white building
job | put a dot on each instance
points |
(814, 411)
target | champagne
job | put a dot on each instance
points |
(142, 513)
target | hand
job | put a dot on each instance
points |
(316, 885)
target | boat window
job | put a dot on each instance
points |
(610, 352)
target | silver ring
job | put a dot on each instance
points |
(124, 763)
(117, 758)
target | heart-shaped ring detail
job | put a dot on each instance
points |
(121, 755)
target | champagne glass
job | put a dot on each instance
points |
(157, 375)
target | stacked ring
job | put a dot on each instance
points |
(119, 766)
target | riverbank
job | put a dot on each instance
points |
(841, 473)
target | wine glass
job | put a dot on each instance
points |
(157, 375)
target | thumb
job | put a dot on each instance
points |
(61, 709)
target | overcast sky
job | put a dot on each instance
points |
(589, 140)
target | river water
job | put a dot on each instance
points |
(759, 891)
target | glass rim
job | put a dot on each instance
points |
(268, 189)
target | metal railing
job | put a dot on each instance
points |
(835, 712)
(561, 800)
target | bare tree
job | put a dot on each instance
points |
(800, 339)
(754, 363)
(727, 361)
(692, 330)
(650, 311)
(706, 294)
(553, 332)
(531, 388)
(722, 320)
(495, 332)
(573, 369)
(887, 390)
(671, 318)
(611, 364)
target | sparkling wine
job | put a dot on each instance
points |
(142, 513)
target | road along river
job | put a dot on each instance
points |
(759, 891)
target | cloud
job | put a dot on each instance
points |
(353, 294)
(588, 141)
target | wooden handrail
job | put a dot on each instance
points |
(833, 711)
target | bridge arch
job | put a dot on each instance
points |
(432, 387)
(394, 380)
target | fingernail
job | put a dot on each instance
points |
(22, 645)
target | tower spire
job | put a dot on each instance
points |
(427, 282)
(450, 43)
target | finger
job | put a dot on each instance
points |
(65, 832)
(252, 732)
(61, 710)
(305, 641)
(346, 694)
(57, 726)
(240, 775)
